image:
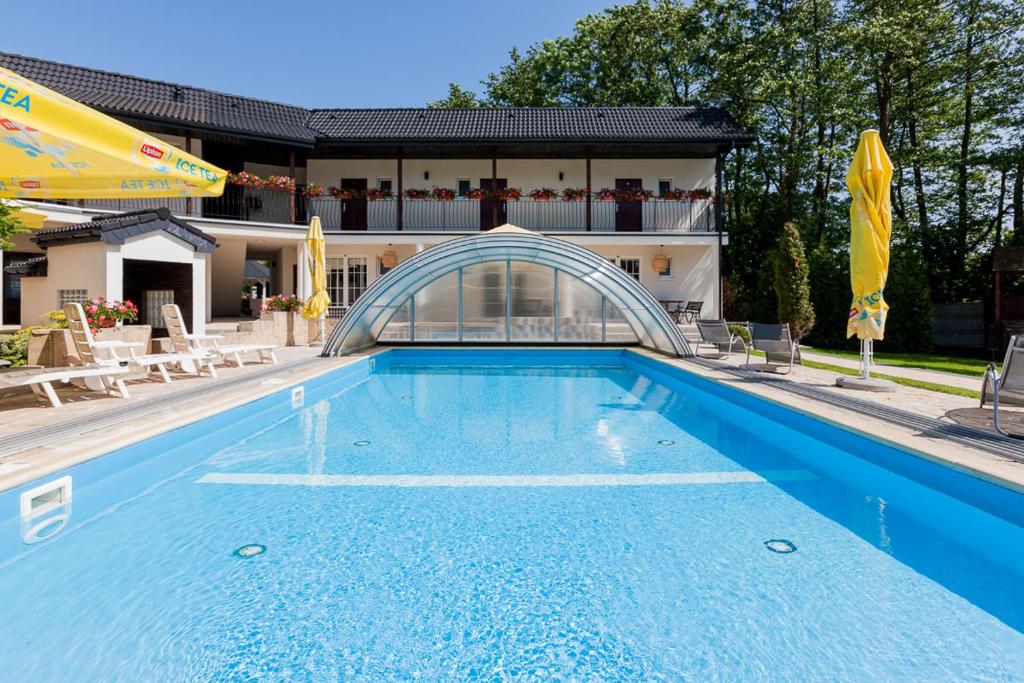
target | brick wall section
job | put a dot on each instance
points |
(142, 275)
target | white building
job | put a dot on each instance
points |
(661, 167)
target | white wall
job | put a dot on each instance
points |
(526, 174)
(74, 266)
(158, 246)
(263, 170)
(694, 268)
(228, 266)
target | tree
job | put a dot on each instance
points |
(792, 282)
(458, 98)
(9, 226)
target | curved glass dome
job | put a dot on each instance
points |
(510, 286)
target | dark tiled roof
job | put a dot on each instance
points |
(124, 95)
(131, 95)
(633, 124)
(117, 228)
(34, 266)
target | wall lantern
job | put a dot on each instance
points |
(389, 259)
(659, 263)
(561, 175)
(426, 175)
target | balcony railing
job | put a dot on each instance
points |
(555, 215)
(429, 215)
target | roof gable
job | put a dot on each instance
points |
(118, 228)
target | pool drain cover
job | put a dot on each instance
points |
(251, 550)
(666, 442)
(361, 443)
(780, 545)
(407, 397)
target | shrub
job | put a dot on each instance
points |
(740, 331)
(14, 347)
(283, 302)
(908, 326)
(791, 282)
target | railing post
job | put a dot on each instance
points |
(291, 174)
(399, 214)
(590, 208)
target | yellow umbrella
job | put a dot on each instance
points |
(870, 230)
(318, 302)
(52, 146)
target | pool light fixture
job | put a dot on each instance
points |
(780, 546)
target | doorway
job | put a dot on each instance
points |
(150, 284)
(493, 212)
(629, 213)
(353, 211)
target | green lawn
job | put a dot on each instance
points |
(926, 361)
(930, 386)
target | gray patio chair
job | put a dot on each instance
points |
(776, 343)
(716, 333)
(1006, 386)
(691, 312)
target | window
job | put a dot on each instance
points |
(630, 265)
(357, 272)
(667, 273)
(336, 281)
(384, 184)
(664, 185)
(71, 296)
(463, 184)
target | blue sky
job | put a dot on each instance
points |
(378, 53)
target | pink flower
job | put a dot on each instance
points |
(91, 309)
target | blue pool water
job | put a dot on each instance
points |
(550, 514)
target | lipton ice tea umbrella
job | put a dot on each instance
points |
(53, 146)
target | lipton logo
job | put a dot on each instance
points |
(152, 151)
(29, 184)
(854, 312)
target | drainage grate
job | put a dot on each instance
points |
(927, 426)
(251, 550)
(666, 442)
(780, 546)
(362, 442)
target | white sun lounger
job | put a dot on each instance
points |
(184, 342)
(92, 353)
(40, 380)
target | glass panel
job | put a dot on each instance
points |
(483, 302)
(356, 279)
(579, 310)
(437, 310)
(533, 300)
(335, 280)
(397, 328)
(618, 330)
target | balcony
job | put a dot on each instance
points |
(554, 215)
(430, 215)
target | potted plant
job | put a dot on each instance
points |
(443, 194)
(279, 182)
(246, 179)
(413, 193)
(345, 193)
(476, 193)
(574, 194)
(509, 194)
(375, 193)
(674, 194)
(100, 313)
(290, 328)
(701, 193)
(607, 194)
(543, 194)
(313, 190)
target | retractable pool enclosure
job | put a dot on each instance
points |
(507, 286)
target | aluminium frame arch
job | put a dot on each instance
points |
(366, 319)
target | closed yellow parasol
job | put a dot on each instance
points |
(870, 231)
(52, 146)
(315, 253)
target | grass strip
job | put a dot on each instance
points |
(972, 367)
(917, 384)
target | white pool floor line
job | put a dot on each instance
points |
(503, 480)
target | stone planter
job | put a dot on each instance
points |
(55, 349)
(290, 328)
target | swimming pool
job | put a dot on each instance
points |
(453, 514)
